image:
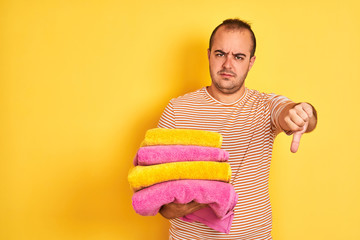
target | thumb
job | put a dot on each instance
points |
(296, 139)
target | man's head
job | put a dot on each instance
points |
(235, 24)
(231, 56)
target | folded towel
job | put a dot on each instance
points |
(208, 217)
(220, 196)
(164, 136)
(144, 176)
(152, 155)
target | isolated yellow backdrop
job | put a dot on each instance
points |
(81, 82)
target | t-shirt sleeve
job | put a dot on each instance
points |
(167, 119)
(277, 104)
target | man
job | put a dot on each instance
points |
(248, 121)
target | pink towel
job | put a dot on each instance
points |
(220, 197)
(208, 217)
(152, 155)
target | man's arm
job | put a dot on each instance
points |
(175, 210)
(298, 118)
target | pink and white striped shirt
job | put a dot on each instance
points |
(248, 127)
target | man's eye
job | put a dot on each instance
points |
(239, 58)
(219, 54)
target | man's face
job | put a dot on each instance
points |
(229, 59)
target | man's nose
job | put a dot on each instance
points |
(227, 63)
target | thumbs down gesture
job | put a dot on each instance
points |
(298, 119)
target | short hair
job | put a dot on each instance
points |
(235, 24)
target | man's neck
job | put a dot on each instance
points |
(223, 97)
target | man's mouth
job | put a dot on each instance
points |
(227, 74)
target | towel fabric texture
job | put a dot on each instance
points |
(144, 176)
(220, 196)
(153, 155)
(208, 217)
(180, 166)
(164, 136)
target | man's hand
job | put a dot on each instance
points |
(298, 118)
(175, 210)
(296, 138)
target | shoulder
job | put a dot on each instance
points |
(257, 96)
(261, 100)
(189, 98)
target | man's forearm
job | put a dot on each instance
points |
(175, 210)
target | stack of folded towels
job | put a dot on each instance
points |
(180, 166)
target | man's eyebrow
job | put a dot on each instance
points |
(220, 51)
(235, 54)
(240, 54)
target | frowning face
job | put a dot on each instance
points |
(230, 61)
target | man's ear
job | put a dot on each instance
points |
(209, 52)
(252, 61)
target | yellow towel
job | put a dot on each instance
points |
(144, 176)
(164, 136)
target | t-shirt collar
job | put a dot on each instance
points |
(227, 104)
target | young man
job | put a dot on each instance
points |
(248, 121)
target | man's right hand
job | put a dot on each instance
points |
(175, 210)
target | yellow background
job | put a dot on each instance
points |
(81, 82)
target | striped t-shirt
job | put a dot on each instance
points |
(248, 127)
